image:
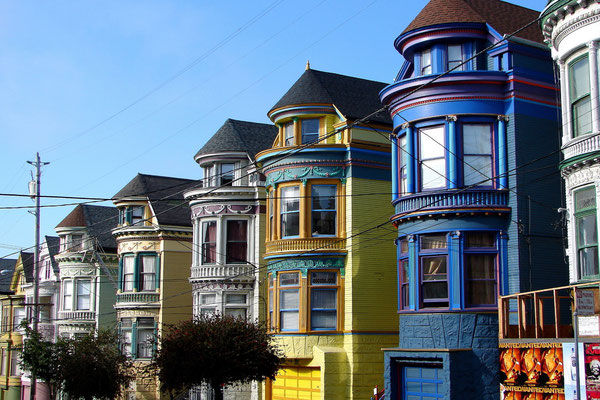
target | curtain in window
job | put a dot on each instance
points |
(148, 273)
(209, 242)
(237, 244)
(128, 274)
(236, 312)
(83, 294)
(144, 342)
(289, 306)
(435, 277)
(481, 279)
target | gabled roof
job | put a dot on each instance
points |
(504, 17)
(243, 136)
(355, 98)
(27, 261)
(7, 267)
(97, 220)
(53, 244)
(165, 195)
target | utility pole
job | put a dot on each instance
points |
(34, 192)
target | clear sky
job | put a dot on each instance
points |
(106, 89)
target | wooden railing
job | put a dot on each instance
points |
(78, 315)
(305, 244)
(242, 271)
(539, 314)
(135, 297)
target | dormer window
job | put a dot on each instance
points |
(227, 174)
(455, 57)
(288, 132)
(71, 242)
(219, 174)
(310, 130)
(426, 67)
(76, 242)
(131, 215)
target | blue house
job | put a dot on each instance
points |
(475, 190)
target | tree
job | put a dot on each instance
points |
(88, 367)
(216, 350)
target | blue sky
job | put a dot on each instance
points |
(104, 90)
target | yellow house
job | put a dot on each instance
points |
(12, 299)
(331, 275)
(154, 244)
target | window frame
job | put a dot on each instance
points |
(227, 177)
(485, 251)
(579, 215)
(204, 260)
(575, 100)
(423, 162)
(67, 292)
(125, 274)
(426, 69)
(289, 134)
(314, 210)
(78, 296)
(229, 241)
(291, 288)
(229, 306)
(403, 157)
(282, 201)
(317, 287)
(142, 274)
(403, 274)
(452, 63)
(425, 254)
(491, 155)
(310, 137)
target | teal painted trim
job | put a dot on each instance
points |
(452, 159)
(502, 155)
(294, 151)
(395, 160)
(134, 338)
(454, 266)
(136, 272)
(316, 263)
(411, 162)
(120, 275)
(413, 277)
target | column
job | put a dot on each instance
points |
(564, 100)
(452, 157)
(453, 271)
(395, 161)
(595, 102)
(411, 161)
(413, 272)
(502, 153)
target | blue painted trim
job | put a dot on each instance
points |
(503, 254)
(451, 159)
(413, 279)
(437, 58)
(398, 276)
(454, 281)
(502, 155)
(411, 162)
(395, 160)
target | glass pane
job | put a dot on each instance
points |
(582, 116)
(481, 292)
(209, 298)
(289, 320)
(478, 170)
(128, 265)
(144, 340)
(435, 241)
(480, 239)
(579, 78)
(481, 266)
(290, 200)
(477, 139)
(585, 198)
(323, 320)
(209, 242)
(433, 174)
(231, 298)
(310, 130)
(429, 387)
(148, 264)
(237, 245)
(434, 268)
(288, 279)
(412, 386)
(587, 232)
(588, 261)
(289, 134)
(323, 222)
(429, 373)
(289, 299)
(412, 372)
(145, 322)
(323, 278)
(435, 290)
(432, 142)
(323, 298)
(323, 197)
(236, 312)
(404, 246)
(290, 224)
(126, 323)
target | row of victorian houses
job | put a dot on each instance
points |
(463, 287)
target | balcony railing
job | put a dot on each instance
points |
(448, 199)
(135, 297)
(77, 315)
(540, 314)
(46, 329)
(307, 244)
(242, 271)
(581, 146)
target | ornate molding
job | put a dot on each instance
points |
(302, 264)
(126, 247)
(224, 209)
(305, 173)
(583, 176)
(575, 24)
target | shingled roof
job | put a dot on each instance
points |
(243, 136)
(53, 245)
(504, 17)
(355, 98)
(7, 265)
(165, 195)
(97, 220)
(27, 261)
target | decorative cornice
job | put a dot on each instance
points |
(224, 209)
(305, 173)
(556, 36)
(303, 264)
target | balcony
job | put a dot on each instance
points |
(77, 315)
(306, 244)
(238, 272)
(149, 299)
(582, 145)
(490, 200)
(543, 313)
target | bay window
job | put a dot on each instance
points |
(290, 211)
(237, 241)
(455, 57)
(432, 157)
(137, 336)
(147, 272)
(67, 296)
(579, 96)
(323, 210)
(83, 291)
(209, 242)
(139, 272)
(310, 130)
(315, 310)
(477, 154)
(480, 268)
(434, 269)
(586, 227)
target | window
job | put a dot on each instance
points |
(426, 67)
(15, 361)
(480, 268)
(207, 303)
(290, 312)
(126, 335)
(271, 214)
(19, 315)
(83, 294)
(147, 272)
(477, 154)
(3, 361)
(402, 164)
(208, 175)
(422, 383)
(46, 269)
(6, 327)
(237, 242)
(403, 274)
(432, 157)
(289, 301)
(579, 96)
(290, 211)
(236, 305)
(434, 269)
(209, 242)
(288, 133)
(227, 174)
(145, 337)
(132, 215)
(455, 57)
(76, 242)
(586, 227)
(323, 210)
(128, 272)
(67, 294)
(310, 130)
